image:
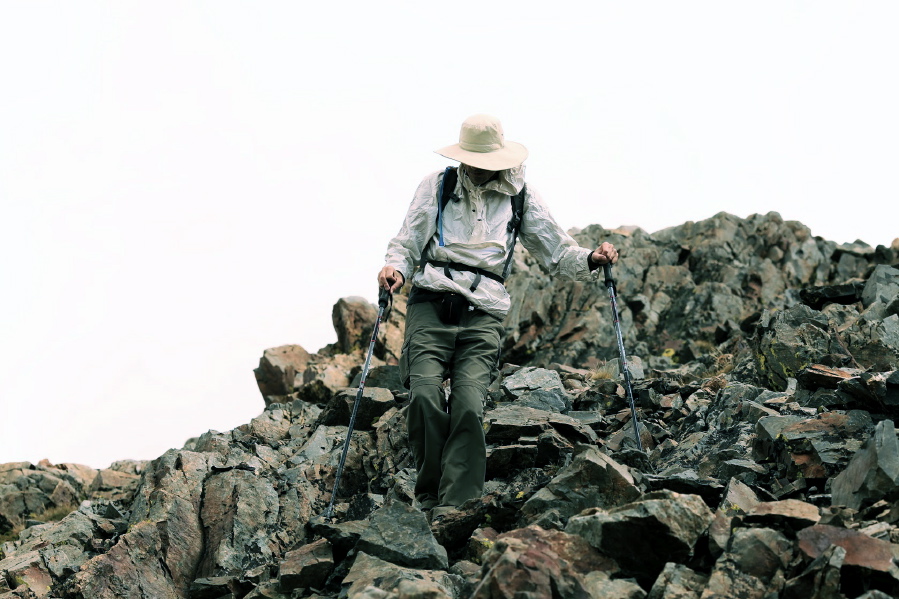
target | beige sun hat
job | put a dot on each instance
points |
(483, 145)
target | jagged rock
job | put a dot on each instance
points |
(882, 286)
(387, 377)
(218, 587)
(821, 579)
(600, 586)
(873, 472)
(738, 498)
(753, 566)
(539, 563)
(400, 534)
(792, 340)
(812, 447)
(818, 297)
(133, 568)
(308, 566)
(543, 399)
(27, 571)
(374, 403)
(592, 479)
(657, 528)
(368, 571)
(238, 511)
(342, 536)
(167, 539)
(278, 368)
(479, 543)
(503, 459)
(28, 490)
(320, 381)
(677, 581)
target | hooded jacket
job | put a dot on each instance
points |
(475, 233)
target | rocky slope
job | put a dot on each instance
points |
(767, 388)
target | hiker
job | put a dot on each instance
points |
(461, 242)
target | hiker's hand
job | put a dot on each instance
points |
(391, 279)
(604, 254)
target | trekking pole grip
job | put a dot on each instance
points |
(607, 271)
(383, 297)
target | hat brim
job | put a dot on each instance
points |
(509, 156)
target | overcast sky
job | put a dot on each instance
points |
(183, 185)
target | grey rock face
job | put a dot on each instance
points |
(873, 472)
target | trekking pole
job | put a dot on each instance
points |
(383, 300)
(610, 284)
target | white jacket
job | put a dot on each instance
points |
(475, 233)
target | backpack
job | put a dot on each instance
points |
(445, 194)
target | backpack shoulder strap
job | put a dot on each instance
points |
(515, 226)
(448, 186)
(444, 193)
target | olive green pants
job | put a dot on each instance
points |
(447, 439)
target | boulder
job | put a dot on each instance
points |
(374, 403)
(400, 534)
(677, 581)
(532, 562)
(753, 567)
(369, 571)
(656, 528)
(308, 566)
(278, 367)
(353, 319)
(593, 479)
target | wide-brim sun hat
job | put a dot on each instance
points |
(482, 144)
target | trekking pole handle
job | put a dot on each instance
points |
(383, 297)
(607, 271)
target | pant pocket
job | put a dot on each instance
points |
(404, 364)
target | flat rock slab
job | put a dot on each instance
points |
(861, 550)
(343, 536)
(509, 422)
(530, 379)
(792, 512)
(400, 534)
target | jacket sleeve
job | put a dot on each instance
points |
(404, 250)
(553, 248)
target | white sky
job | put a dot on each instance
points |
(183, 185)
